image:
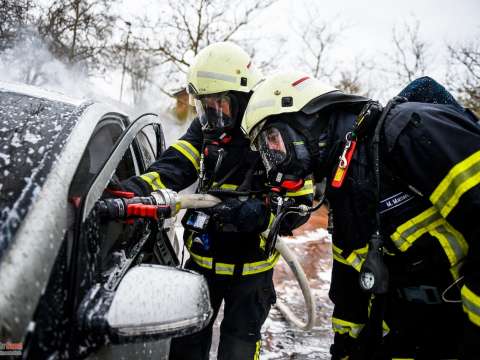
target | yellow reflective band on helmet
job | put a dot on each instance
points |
(346, 327)
(471, 305)
(153, 179)
(461, 178)
(307, 189)
(256, 356)
(189, 151)
(431, 221)
(357, 257)
(261, 266)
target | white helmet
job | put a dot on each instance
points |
(285, 92)
(219, 83)
(220, 67)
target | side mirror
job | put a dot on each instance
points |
(151, 302)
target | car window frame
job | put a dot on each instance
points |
(127, 139)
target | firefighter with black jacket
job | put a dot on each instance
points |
(225, 242)
(404, 190)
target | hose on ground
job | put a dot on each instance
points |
(297, 270)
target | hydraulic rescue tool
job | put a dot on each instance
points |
(160, 204)
(166, 203)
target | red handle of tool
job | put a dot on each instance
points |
(121, 194)
(146, 211)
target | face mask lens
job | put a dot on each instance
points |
(272, 148)
(214, 111)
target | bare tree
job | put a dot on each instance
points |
(188, 26)
(410, 54)
(78, 31)
(14, 16)
(350, 80)
(466, 81)
(318, 38)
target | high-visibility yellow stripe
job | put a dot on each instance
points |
(256, 356)
(224, 269)
(343, 327)
(228, 269)
(411, 230)
(471, 304)
(261, 266)
(189, 151)
(226, 186)
(337, 255)
(452, 241)
(202, 261)
(307, 189)
(153, 179)
(461, 178)
(357, 257)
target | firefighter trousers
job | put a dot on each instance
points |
(247, 301)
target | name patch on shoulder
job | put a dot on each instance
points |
(394, 201)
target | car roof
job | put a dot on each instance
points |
(35, 124)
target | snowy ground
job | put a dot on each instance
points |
(282, 340)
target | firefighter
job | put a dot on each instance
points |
(403, 185)
(225, 243)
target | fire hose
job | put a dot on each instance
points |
(166, 203)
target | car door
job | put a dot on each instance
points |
(106, 250)
(94, 251)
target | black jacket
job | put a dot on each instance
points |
(178, 167)
(430, 201)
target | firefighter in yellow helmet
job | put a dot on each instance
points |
(225, 243)
(403, 185)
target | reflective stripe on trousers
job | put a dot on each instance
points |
(228, 269)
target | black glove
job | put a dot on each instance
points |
(136, 185)
(235, 215)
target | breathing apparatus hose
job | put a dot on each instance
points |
(296, 269)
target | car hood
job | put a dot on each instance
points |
(33, 132)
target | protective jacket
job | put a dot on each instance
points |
(429, 206)
(227, 166)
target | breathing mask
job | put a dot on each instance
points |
(217, 113)
(285, 155)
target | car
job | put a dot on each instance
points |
(73, 284)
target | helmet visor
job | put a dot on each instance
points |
(215, 111)
(272, 147)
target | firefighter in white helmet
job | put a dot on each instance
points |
(403, 186)
(225, 243)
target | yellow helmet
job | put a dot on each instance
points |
(285, 92)
(221, 67)
(220, 80)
